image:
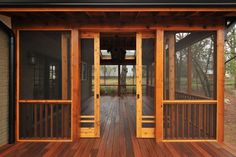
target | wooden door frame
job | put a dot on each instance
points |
(95, 131)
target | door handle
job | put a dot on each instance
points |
(97, 96)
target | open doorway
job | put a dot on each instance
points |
(117, 84)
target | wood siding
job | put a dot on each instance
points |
(4, 78)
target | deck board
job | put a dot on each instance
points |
(118, 139)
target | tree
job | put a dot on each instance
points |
(230, 52)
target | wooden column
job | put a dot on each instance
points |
(97, 84)
(139, 84)
(17, 84)
(159, 84)
(75, 61)
(64, 70)
(64, 65)
(171, 43)
(189, 70)
(220, 85)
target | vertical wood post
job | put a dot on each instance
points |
(220, 85)
(171, 43)
(75, 61)
(97, 84)
(64, 70)
(64, 65)
(17, 82)
(189, 70)
(159, 84)
(139, 84)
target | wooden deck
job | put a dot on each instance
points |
(117, 139)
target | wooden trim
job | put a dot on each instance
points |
(189, 102)
(87, 121)
(148, 116)
(87, 35)
(17, 82)
(190, 140)
(148, 121)
(159, 84)
(87, 116)
(97, 84)
(139, 84)
(148, 132)
(117, 9)
(220, 85)
(46, 101)
(75, 66)
(64, 65)
(45, 140)
(171, 44)
(189, 70)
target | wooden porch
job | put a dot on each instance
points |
(118, 138)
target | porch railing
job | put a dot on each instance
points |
(45, 120)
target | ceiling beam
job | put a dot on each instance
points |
(191, 39)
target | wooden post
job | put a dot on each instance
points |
(75, 61)
(64, 65)
(189, 70)
(139, 84)
(64, 71)
(171, 43)
(17, 84)
(97, 85)
(220, 85)
(159, 84)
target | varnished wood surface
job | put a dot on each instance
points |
(117, 139)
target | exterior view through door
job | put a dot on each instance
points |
(118, 70)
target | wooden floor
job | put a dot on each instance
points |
(117, 139)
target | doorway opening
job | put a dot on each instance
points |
(117, 84)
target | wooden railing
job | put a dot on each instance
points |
(189, 96)
(44, 120)
(190, 121)
(190, 117)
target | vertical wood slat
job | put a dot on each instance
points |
(35, 120)
(51, 120)
(139, 84)
(171, 43)
(46, 120)
(97, 84)
(220, 85)
(64, 67)
(189, 70)
(75, 64)
(17, 83)
(159, 85)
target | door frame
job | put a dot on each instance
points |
(91, 132)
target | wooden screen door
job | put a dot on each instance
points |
(145, 76)
(90, 85)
